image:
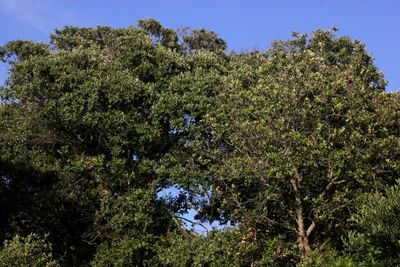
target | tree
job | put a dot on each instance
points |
(83, 131)
(202, 39)
(282, 145)
(27, 251)
(297, 135)
(166, 37)
(377, 232)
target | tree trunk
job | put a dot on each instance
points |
(303, 242)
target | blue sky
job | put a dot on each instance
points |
(243, 24)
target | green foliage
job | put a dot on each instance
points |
(82, 112)
(214, 250)
(330, 258)
(283, 145)
(133, 224)
(31, 250)
(203, 39)
(377, 231)
(166, 37)
(295, 136)
(126, 252)
(231, 247)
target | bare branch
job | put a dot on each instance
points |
(310, 228)
(192, 222)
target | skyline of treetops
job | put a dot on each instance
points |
(293, 151)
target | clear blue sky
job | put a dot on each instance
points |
(243, 24)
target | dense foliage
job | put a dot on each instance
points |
(296, 150)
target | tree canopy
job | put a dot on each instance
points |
(296, 150)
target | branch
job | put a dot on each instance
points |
(91, 242)
(330, 184)
(310, 228)
(178, 223)
(192, 222)
(332, 181)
